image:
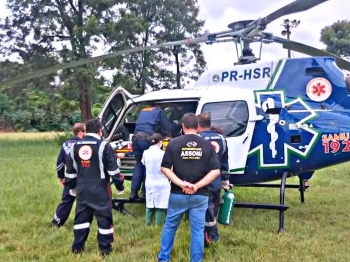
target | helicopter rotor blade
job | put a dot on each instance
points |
(54, 69)
(311, 51)
(294, 7)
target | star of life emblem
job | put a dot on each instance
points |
(319, 89)
(85, 152)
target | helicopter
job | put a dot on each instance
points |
(280, 118)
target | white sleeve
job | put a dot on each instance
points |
(143, 158)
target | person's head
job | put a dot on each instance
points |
(217, 129)
(79, 130)
(204, 122)
(94, 126)
(159, 106)
(156, 139)
(189, 123)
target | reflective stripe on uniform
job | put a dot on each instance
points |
(106, 231)
(59, 167)
(81, 226)
(210, 224)
(57, 219)
(223, 144)
(71, 152)
(100, 160)
(70, 175)
(114, 172)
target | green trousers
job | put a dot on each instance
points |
(159, 215)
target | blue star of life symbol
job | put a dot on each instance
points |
(279, 153)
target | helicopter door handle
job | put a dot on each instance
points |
(245, 139)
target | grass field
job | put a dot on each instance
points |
(319, 230)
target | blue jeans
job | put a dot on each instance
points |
(178, 205)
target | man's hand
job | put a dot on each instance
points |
(120, 188)
(120, 155)
(188, 188)
(73, 192)
(225, 184)
(61, 181)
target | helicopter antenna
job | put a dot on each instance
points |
(261, 44)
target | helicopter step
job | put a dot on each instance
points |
(302, 187)
(118, 203)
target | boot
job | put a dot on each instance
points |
(78, 251)
(133, 195)
(104, 254)
(55, 224)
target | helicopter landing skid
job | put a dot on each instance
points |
(281, 207)
(118, 203)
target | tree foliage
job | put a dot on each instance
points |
(337, 38)
(43, 33)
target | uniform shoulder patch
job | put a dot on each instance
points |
(216, 146)
(85, 152)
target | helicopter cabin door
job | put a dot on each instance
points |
(235, 113)
(112, 110)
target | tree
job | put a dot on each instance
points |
(44, 33)
(337, 38)
(66, 29)
(180, 21)
(154, 22)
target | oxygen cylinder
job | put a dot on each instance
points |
(226, 207)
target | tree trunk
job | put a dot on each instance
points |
(84, 99)
(145, 64)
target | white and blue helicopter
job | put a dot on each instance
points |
(281, 118)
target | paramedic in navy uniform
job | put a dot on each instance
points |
(220, 146)
(64, 208)
(151, 120)
(90, 165)
(195, 165)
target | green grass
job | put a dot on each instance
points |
(319, 230)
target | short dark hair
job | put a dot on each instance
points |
(204, 120)
(217, 129)
(156, 138)
(93, 126)
(190, 121)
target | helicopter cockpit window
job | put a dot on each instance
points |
(231, 117)
(111, 113)
(133, 114)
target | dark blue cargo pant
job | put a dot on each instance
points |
(139, 173)
(64, 208)
(211, 230)
(84, 215)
